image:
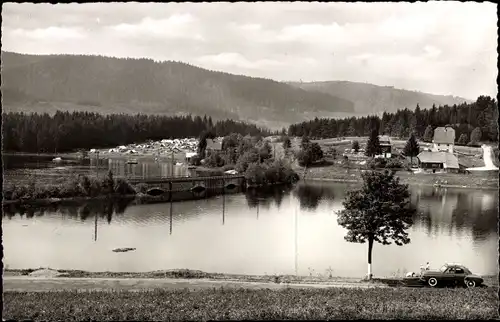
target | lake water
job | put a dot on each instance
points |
(278, 231)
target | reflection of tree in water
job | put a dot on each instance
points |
(101, 208)
(261, 197)
(310, 196)
(465, 215)
(264, 196)
(460, 215)
(423, 217)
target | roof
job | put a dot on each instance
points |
(444, 135)
(449, 160)
(213, 145)
(384, 138)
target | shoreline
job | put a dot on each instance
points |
(359, 180)
(148, 198)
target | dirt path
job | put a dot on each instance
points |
(44, 284)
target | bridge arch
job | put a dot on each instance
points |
(155, 191)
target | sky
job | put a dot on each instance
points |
(447, 48)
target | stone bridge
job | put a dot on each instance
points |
(197, 185)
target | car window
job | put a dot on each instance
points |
(459, 271)
(450, 270)
(443, 268)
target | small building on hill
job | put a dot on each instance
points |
(436, 162)
(386, 146)
(444, 139)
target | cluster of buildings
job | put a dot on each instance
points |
(438, 158)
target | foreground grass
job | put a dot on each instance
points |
(238, 304)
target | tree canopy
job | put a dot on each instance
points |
(463, 118)
(373, 145)
(378, 212)
(412, 149)
(65, 131)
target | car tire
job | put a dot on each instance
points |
(432, 282)
(470, 283)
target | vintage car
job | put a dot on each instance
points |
(451, 275)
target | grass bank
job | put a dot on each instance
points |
(262, 304)
(341, 174)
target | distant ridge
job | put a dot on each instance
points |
(375, 99)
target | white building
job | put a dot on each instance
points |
(444, 139)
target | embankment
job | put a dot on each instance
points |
(353, 175)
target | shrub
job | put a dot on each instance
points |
(394, 164)
(122, 187)
(250, 156)
(462, 140)
(7, 192)
(19, 192)
(141, 188)
(195, 160)
(270, 173)
(309, 154)
(214, 160)
(255, 174)
(355, 146)
(71, 189)
(377, 163)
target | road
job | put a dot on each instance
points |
(44, 284)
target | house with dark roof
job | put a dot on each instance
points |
(444, 139)
(436, 162)
(386, 147)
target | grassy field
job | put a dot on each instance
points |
(262, 304)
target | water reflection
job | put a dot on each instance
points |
(311, 195)
(265, 196)
(456, 211)
(258, 229)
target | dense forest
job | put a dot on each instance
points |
(374, 99)
(480, 116)
(66, 131)
(37, 83)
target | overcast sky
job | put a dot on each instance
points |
(437, 47)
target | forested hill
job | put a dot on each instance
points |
(480, 116)
(46, 83)
(373, 99)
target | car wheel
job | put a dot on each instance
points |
(432, 282)
(470, 283)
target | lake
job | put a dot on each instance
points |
(276, 231)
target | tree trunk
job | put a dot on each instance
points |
(370, 248)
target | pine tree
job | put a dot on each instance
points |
(373, 145)
(411, 148)
(475, 136)
(428, 134)
(463, 139)
(355, 146)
